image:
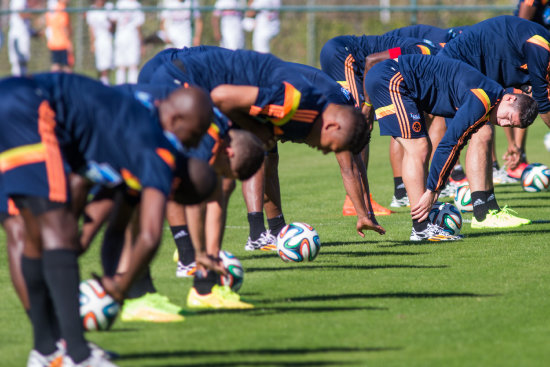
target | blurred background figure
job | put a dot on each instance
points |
(176, 26)
(265, 23)
(101, 38)
(226, 23)
(19, 38)
(127, 40)
(58, 36)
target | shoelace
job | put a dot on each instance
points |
(506, 212)
(228, 294)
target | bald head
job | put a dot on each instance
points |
(186, 112)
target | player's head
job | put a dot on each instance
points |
(186, 112)
(342, 128)
(516, 110)
(240, 155)
(194, 181)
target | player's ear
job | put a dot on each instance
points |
(509, 97)
(331, 125)
(229, 151)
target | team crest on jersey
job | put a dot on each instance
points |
(417, 127)
(346, 93)
(414, 116)
(146, 99)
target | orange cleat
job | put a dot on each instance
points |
(349, 209)
(516, 173)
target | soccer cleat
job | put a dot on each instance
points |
(401, 202)
(433, 233)
(186, 271)
(94, 348)
(266, 242)
(349, 210)
(516, 173)
(500, 219)
(152, 307)
(500, 176)
(94, 360)
(37, 359)
(449, 191)
(221, 297)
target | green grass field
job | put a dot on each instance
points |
(377, 301)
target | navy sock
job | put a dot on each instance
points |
(399, 190)
(62, 278)
(492, 200)
(41, 313)
(256, 223)
(111, 249)
(479, 202)
(186, 251)
(204, 283)
(420, 226)
(143, 284)
(276, 224)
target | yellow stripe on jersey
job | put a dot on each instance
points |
(483, 97)
(23, 155)
(385, 111)
(344, 84)
(290, 105)
(540, 41)
(130, 180)
(425, 50)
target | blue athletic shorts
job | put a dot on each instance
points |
(396, 112)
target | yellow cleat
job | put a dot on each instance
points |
(504, 218)
(152, 307)
(221, 297)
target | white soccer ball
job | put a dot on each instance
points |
(547, 141)
(446, 216)
(98, 310)
(535, 177)
(298, 242)
(463, 199)
(235, 272)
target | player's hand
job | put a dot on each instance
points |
(512, 156)
(208, 262)
(111, 286)
(422, 209)
(368, 224)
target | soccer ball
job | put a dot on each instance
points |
(547, 141)
(298, 242)
(463, 199)
(98, 310)
(235, 272)
(446, 216)
(535, 177)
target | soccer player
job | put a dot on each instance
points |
(58, 35)
(176, 24)
(264, 22)
(127, 40)
(536, 11)
(101, 38)
(226, 23)
(263, 192)
(57, 128)
(344, 58)
(513, 52)
(19, 38)
(401, 91)
(437, 36)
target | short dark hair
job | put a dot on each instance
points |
(249, 153)
(527, 107)
(194, 181)
(361, 132)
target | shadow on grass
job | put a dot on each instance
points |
(301, 267)
(263, 311)
(257, 363)
(346, 243)
(373, 253)
(339, 297)
(279, 352)
(519, 230)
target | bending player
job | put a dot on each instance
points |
(401, 91)
(289, 107)
(344, 58)
(35, 154)
(512, 52)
